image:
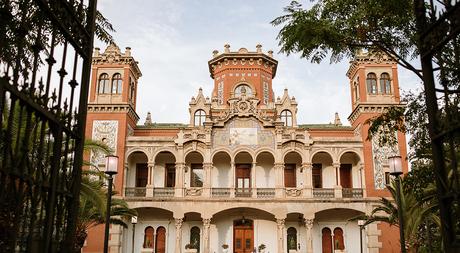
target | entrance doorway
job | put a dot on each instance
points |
(243, 180)
(243, 236)
(345, 175)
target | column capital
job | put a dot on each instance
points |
(280, 222)
(336, 165)
(206, 222)
(151, 164)
(307, 165)
(178, 222)
(309, 223)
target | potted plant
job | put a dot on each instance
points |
(292, 245)
(190, 248)
(225, 248)
(262, 248)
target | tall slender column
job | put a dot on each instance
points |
(253, 180)
(337, 187)
(206, 226)
(279, 184)
(280, 234)
(363, 178)
(233, 178)
(178, 224)
(309, 227)
(150, 184)
(125, 178)
(308, 179)
(179, 184)
(207, 167)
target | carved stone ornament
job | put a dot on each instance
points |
(193, 191)
(105, 131)
(293, 192)
(380, 154)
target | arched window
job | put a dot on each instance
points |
(132, 90)
(291, 239)
(286, 118)
(116, 83)
(385, 84)
(243, 89)
(371, 83)
(160, 239)
(103, 86)
(356, 91)
(148, 237)
(200, 117)
(338, 239)
(195, 238)
(326, 240)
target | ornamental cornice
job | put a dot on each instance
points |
(238, 59)
(113, 55)
(370, 108)
(371, 57)
(113, 108)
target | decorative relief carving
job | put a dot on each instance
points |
(220, 93)
(293, 192)
(105, 131)
(193, 191)
(380, 154)
(266, 93)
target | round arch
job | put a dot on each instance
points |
(242, 210)
(316, 152)
(296, 151)
(131, 151)
(166, 149)
(352, 151)
(243, 150)
(253, 88)
(264, 150)
(221, 150)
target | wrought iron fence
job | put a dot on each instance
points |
(45, 64)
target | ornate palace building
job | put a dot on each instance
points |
(243, 174)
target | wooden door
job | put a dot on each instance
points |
(289, 175)
(243, 236)
(170, 175)
(326, 240)
(243, 178)
(160, 240)
(345, 176)
(141, 174)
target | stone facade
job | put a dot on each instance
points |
(243, 172)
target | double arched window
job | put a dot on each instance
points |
(116, 83)
(107, 86)
(371, 82)
(199, 118)
(286, 118)
(385, 84)
(103, 85)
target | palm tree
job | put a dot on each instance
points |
(93, 199)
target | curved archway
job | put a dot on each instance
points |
(137, 174)
(164, 172)
(221, 172)
(292, 162)
(323, 173)
(194, 163)
(350, 176)
(265, 173)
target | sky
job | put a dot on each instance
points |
(173, 40)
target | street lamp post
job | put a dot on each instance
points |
(134, 222)
(361, 226)
(111, 165)
(396, 170)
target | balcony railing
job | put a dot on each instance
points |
(265, 193)
(243, 192)
(352, 193)
(135, 191)
(220, 192)
(323, 193)
(166, 192)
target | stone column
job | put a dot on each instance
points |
(280, 234)
(206, 226)
(337, 187)
(309, 227)
(253, 180)
(179, 184)
(362, 178)
(149, 187)
(125, 178)
(279, 184)
(207, 167)
(308, 180)
(178, 224)
(233, 178)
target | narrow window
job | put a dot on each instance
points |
(195, 238)
(170, 175)
(148, 238)
(338, 239)
(326, 242)
(132, 91)
(371, 83)
(385, 84)
(141, 174)
(291, 239)
(160, 245)
(200, 117)
(116, 83)
(289, 175)
(196, 179)
(103, 84)
(317, 175)
(286, 118)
